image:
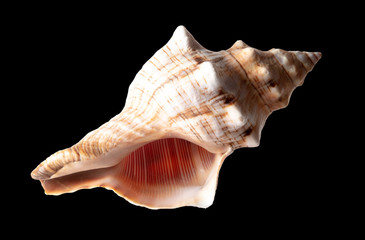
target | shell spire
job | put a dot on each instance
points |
(297, 64)
(187, 109)
(276, 73)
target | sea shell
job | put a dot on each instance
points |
(187, 109)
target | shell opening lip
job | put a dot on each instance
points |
(164, 173)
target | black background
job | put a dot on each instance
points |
(72, 65)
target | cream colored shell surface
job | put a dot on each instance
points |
(187, 109)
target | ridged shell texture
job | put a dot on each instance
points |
(187, 109)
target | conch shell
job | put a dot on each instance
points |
(187, 109)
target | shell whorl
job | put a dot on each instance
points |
(274, 74)
(213, 102)
(236, 89)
